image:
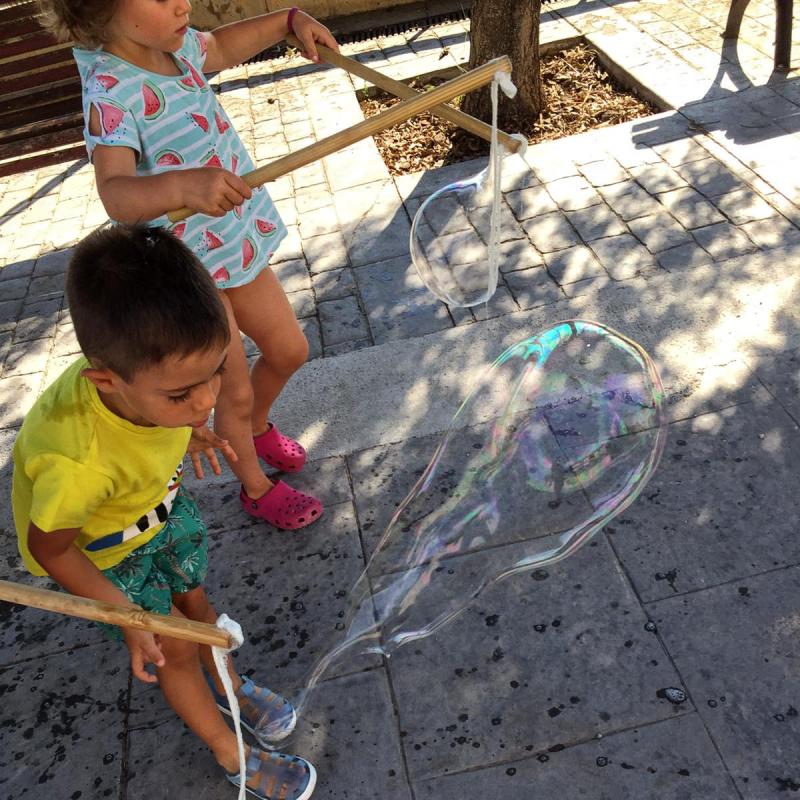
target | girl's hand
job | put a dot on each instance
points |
(205, 441)
(309, 32)
(144, 649)
(211, 190)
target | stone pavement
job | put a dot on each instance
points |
(681, 230)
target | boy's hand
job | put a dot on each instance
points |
(309, 32)
(211, 190)
(144, 649)
(206, 441)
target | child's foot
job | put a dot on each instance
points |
(279, 451)
(275, 776)
(283, 507)
(267, 715)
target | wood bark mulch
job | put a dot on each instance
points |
(579, 96)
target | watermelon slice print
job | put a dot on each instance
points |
(187, 83)
(212, 240)
(202, 44)
(111, 115)
(200, 120)
(249, 252)
(211, 159)
(178, 229)
(234, 164)
(237, 211)
(221, 276)
(154, 104)
(265, 227)
(222, 124)
(168, 158)
(198, 78)
(106, 81)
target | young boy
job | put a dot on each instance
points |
(97, 495)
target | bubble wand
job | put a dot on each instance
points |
(425, 101)
(403, 91)
(223, 637)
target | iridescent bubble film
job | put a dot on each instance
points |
(560, 435)
(450, 242)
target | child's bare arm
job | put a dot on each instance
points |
(70, 568)
(232, 44)
(129, 197)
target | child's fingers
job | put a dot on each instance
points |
(326, 37)
(197, 463)
(211, 455)
(309, 46)
(228, 452)
(137, 667)
(239, 186)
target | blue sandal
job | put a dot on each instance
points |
(275, 776)
(257, 704)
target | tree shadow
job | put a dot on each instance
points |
(734, 108)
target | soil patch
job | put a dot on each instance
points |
(579, 96)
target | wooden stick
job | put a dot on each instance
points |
(465, 121)
(404, 110)
(114, 614)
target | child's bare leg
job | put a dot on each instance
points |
(195, 605)
(233, 413)
(185, 688)
(264, 313)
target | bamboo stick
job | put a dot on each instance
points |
(404, 110)
(465, 121)
(114, 614)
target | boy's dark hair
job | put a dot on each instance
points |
(83, 21)
(137, 295)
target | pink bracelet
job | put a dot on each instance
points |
(289, 17)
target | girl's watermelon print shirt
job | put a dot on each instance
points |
(176, 122)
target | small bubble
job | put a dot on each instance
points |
(601, 761)
(674, 695)
(650, 626)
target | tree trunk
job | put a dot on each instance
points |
(507, 27)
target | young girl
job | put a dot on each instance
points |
(159, 141)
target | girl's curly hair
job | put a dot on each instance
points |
(83, 21)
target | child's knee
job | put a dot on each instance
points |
(294, 354)
(238, 397)
(194, 604)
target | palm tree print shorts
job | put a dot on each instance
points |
(174, 561)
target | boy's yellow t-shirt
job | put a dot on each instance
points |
(78, 465)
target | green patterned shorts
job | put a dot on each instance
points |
(174, 561)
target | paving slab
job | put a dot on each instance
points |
(376, 227)
(63, 728)
(564, 649)
(727, 524)
(780, 374)
(397, 303)
(349, 733)
(749, 706)
(674, 759)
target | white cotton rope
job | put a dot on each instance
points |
(234, 631)
(496, 155)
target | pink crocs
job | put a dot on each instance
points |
(283, 507)
(280, 451)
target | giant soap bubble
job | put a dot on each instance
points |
(560, 435)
